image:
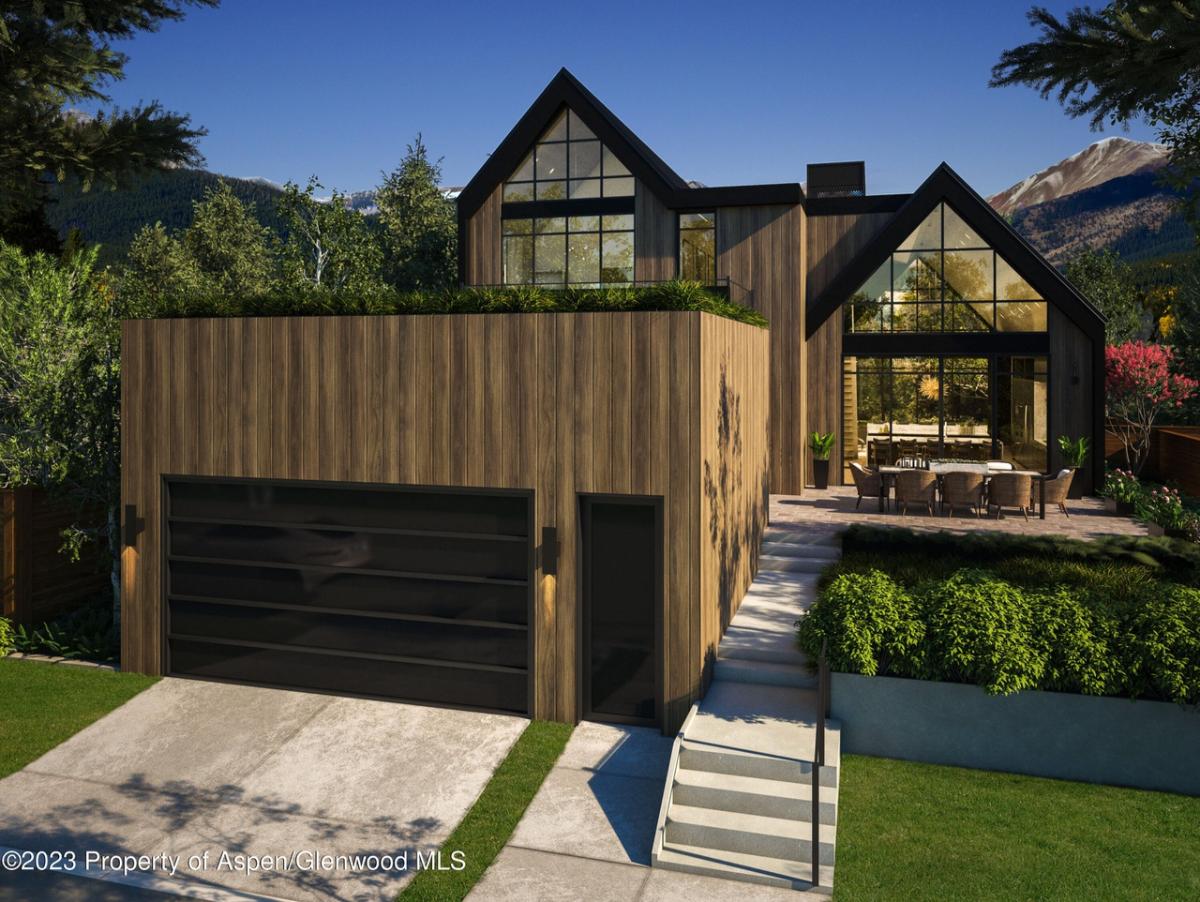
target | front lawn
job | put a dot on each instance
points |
(490, 822)
(923, 831)
(42, 705)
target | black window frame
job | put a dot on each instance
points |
(680, 229)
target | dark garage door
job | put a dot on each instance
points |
(378, 591)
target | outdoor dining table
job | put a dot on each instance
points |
(887, 475)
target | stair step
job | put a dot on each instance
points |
(721, 760)
(752, 795)
(733, 669)
(803, 536)
(792, 564)
(783, 872)
(754, 834)
(789, 549)
(749, 644)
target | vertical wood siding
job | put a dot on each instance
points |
(485, 263)
(833, 241)
(1070, 389)
(761, 251)
(563, 404)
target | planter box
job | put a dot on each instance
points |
(821, 474)
(1120, 508)
(1144, 744)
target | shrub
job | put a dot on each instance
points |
(1162, 506)
(1122, 486)
(1163, 652)
(979, 630)
(6, 636)
(869, 621)
(1078, 643)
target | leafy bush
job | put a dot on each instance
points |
(979, 630)
(673, 295)
(869, 621)
(87, 633)
(1163, 506)
(1118, 617)
(6, 636)
(821, 445)
(1122, 486)
(1074, 451)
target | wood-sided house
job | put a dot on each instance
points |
(910, 325)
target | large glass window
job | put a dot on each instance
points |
(580, 251)
(698, 247)
(949, 408)
(945, 278)
(568, 162)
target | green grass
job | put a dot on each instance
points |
(41, 705)
(921, 831)
(494, 816)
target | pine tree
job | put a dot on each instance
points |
(420, 231)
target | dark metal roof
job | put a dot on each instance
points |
(946, 184)
(675, 192)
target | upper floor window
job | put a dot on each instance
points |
(579, 251)
(568, 162)
(945, 278)
(698, 247)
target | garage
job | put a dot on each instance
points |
(420, 594)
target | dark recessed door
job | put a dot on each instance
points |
(622, 598)
(392, 592)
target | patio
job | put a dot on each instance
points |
(835, 507)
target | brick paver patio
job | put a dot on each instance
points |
(834, 507)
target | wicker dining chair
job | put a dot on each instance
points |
(1057, 488)
(962, 489)
(1011, 490)
(915, 487)
(868, 482)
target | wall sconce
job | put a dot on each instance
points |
(549, 550)
(133, 526)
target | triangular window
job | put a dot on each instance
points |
(568, 162)
(945, 278)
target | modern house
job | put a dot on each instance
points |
(910, 325)
(558, 514)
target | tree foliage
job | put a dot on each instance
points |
(329, 245)
(419, 224)
(60, 382)
(56, 54)
(1109, 284)
(1128, 60)
(1140, 385)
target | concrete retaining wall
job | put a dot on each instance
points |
(1146, 744)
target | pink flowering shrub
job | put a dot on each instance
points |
(1139, 386)
(1163, 506)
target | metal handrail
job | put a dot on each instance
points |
(819, 758)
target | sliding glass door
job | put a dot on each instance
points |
(947, 408)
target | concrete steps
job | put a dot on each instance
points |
(738, 802)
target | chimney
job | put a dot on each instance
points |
(836, 179)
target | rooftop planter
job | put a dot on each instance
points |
(672, 295)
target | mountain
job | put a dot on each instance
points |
(112, 218)
(1097, 163)
(1109, 195)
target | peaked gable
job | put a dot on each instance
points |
(975, 212)
(565, 90)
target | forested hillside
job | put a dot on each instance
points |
(112, 218)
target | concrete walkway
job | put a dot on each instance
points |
(189, 768)
(588, 832)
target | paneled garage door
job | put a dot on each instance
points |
(380, 591)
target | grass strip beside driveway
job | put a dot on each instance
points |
(923, 831)
(42, 705)
(490, 822)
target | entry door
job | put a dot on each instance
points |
(622, 604)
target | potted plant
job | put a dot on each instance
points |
(1122, 492)
(1074, 456)
(1162, 509)
(821, 445)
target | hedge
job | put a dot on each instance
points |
(673, 295)
(1012, 615)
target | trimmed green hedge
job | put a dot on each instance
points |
(674, 295)
(1013, 614)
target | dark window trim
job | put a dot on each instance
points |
(870, 203)
(960, 344)
(586, 206)
(679, 230)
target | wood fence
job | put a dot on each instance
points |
(38, 581)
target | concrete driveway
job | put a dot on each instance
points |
(194, 769)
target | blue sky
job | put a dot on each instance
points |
(726, 93)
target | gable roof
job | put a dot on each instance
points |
(566, 90)
(946, 184)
